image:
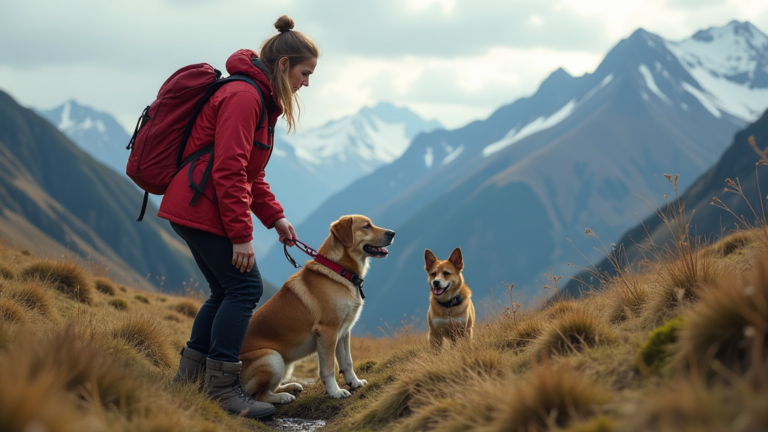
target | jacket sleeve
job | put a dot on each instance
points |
(235, 125)
(265, 205)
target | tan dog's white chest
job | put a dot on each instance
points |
(442, 323)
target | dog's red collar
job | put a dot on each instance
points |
(346, 274)
(335, 267)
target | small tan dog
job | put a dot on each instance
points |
(313, 312)
(451, 312)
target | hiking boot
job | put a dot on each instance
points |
(191, 366)
(222, 382)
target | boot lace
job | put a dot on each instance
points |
(237, 386)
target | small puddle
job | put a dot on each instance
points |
(295, 424)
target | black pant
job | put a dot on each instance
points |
(221, 323)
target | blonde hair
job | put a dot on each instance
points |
(297, 48)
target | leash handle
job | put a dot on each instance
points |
(302, 247)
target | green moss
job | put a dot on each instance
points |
(141, 298)
(118, 304)
(655, 351)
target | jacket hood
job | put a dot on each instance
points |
(240, 63)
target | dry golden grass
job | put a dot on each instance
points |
(568, 367)
(147, 337)
(186, 307)
(65, 276)
(729, 326)
(104, 286)
(574, 332)
(11, 311)
(118, 304)
(141, 298)
(6, 272)
(32, 295)
(75, 366)
(549, 398)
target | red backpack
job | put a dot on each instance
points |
(163, 129)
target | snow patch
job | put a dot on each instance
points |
(429, 157)
(723, 61)
(597, 88)
(452, 155)
(66, 120)
(531, 128)
(651, 83)
(703, 99)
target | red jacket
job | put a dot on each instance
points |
(236, 186)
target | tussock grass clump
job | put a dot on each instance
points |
(681, 406)
(32, 296)
(656, 349)
(186, 307)
(734, 243)
(573, 333)
(37, 403)
(6, 272)
(11, 311)
(83, 368)
(104, 286)
(560, 308)
(141, 298)
(549, 398)
(118, 304)
(66, 276)
(122, 288)
(518, 334)
(147, 338)
(729, 325)
(173, 317)
(626, 304)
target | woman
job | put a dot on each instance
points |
(218, 228)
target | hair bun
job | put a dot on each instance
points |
(284, 24)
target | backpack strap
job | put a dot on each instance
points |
(198, 188)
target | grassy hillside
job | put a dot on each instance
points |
(677, 345)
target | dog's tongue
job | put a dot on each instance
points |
(438, 291)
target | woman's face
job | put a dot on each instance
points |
(298, 75)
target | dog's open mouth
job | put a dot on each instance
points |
(439, 291)
(376, 251)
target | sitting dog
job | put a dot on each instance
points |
(451, 312)
(313, 312)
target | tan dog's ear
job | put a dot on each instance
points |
(342, 230)
(456, 259)
(429, 259)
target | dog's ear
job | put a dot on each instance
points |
(429, 259)
(342, 230)
(456, 259)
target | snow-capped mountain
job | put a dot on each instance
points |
(95, 132)
(512, 189)
(328, 158)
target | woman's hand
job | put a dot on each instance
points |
(243, 257)
(285, 231)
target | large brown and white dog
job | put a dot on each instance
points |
(313, 312)
(451, 312)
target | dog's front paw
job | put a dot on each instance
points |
(285, 398)
(357, 383)
(339, 394)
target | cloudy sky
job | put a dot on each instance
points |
(450, 60)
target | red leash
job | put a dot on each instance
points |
(337, 268)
